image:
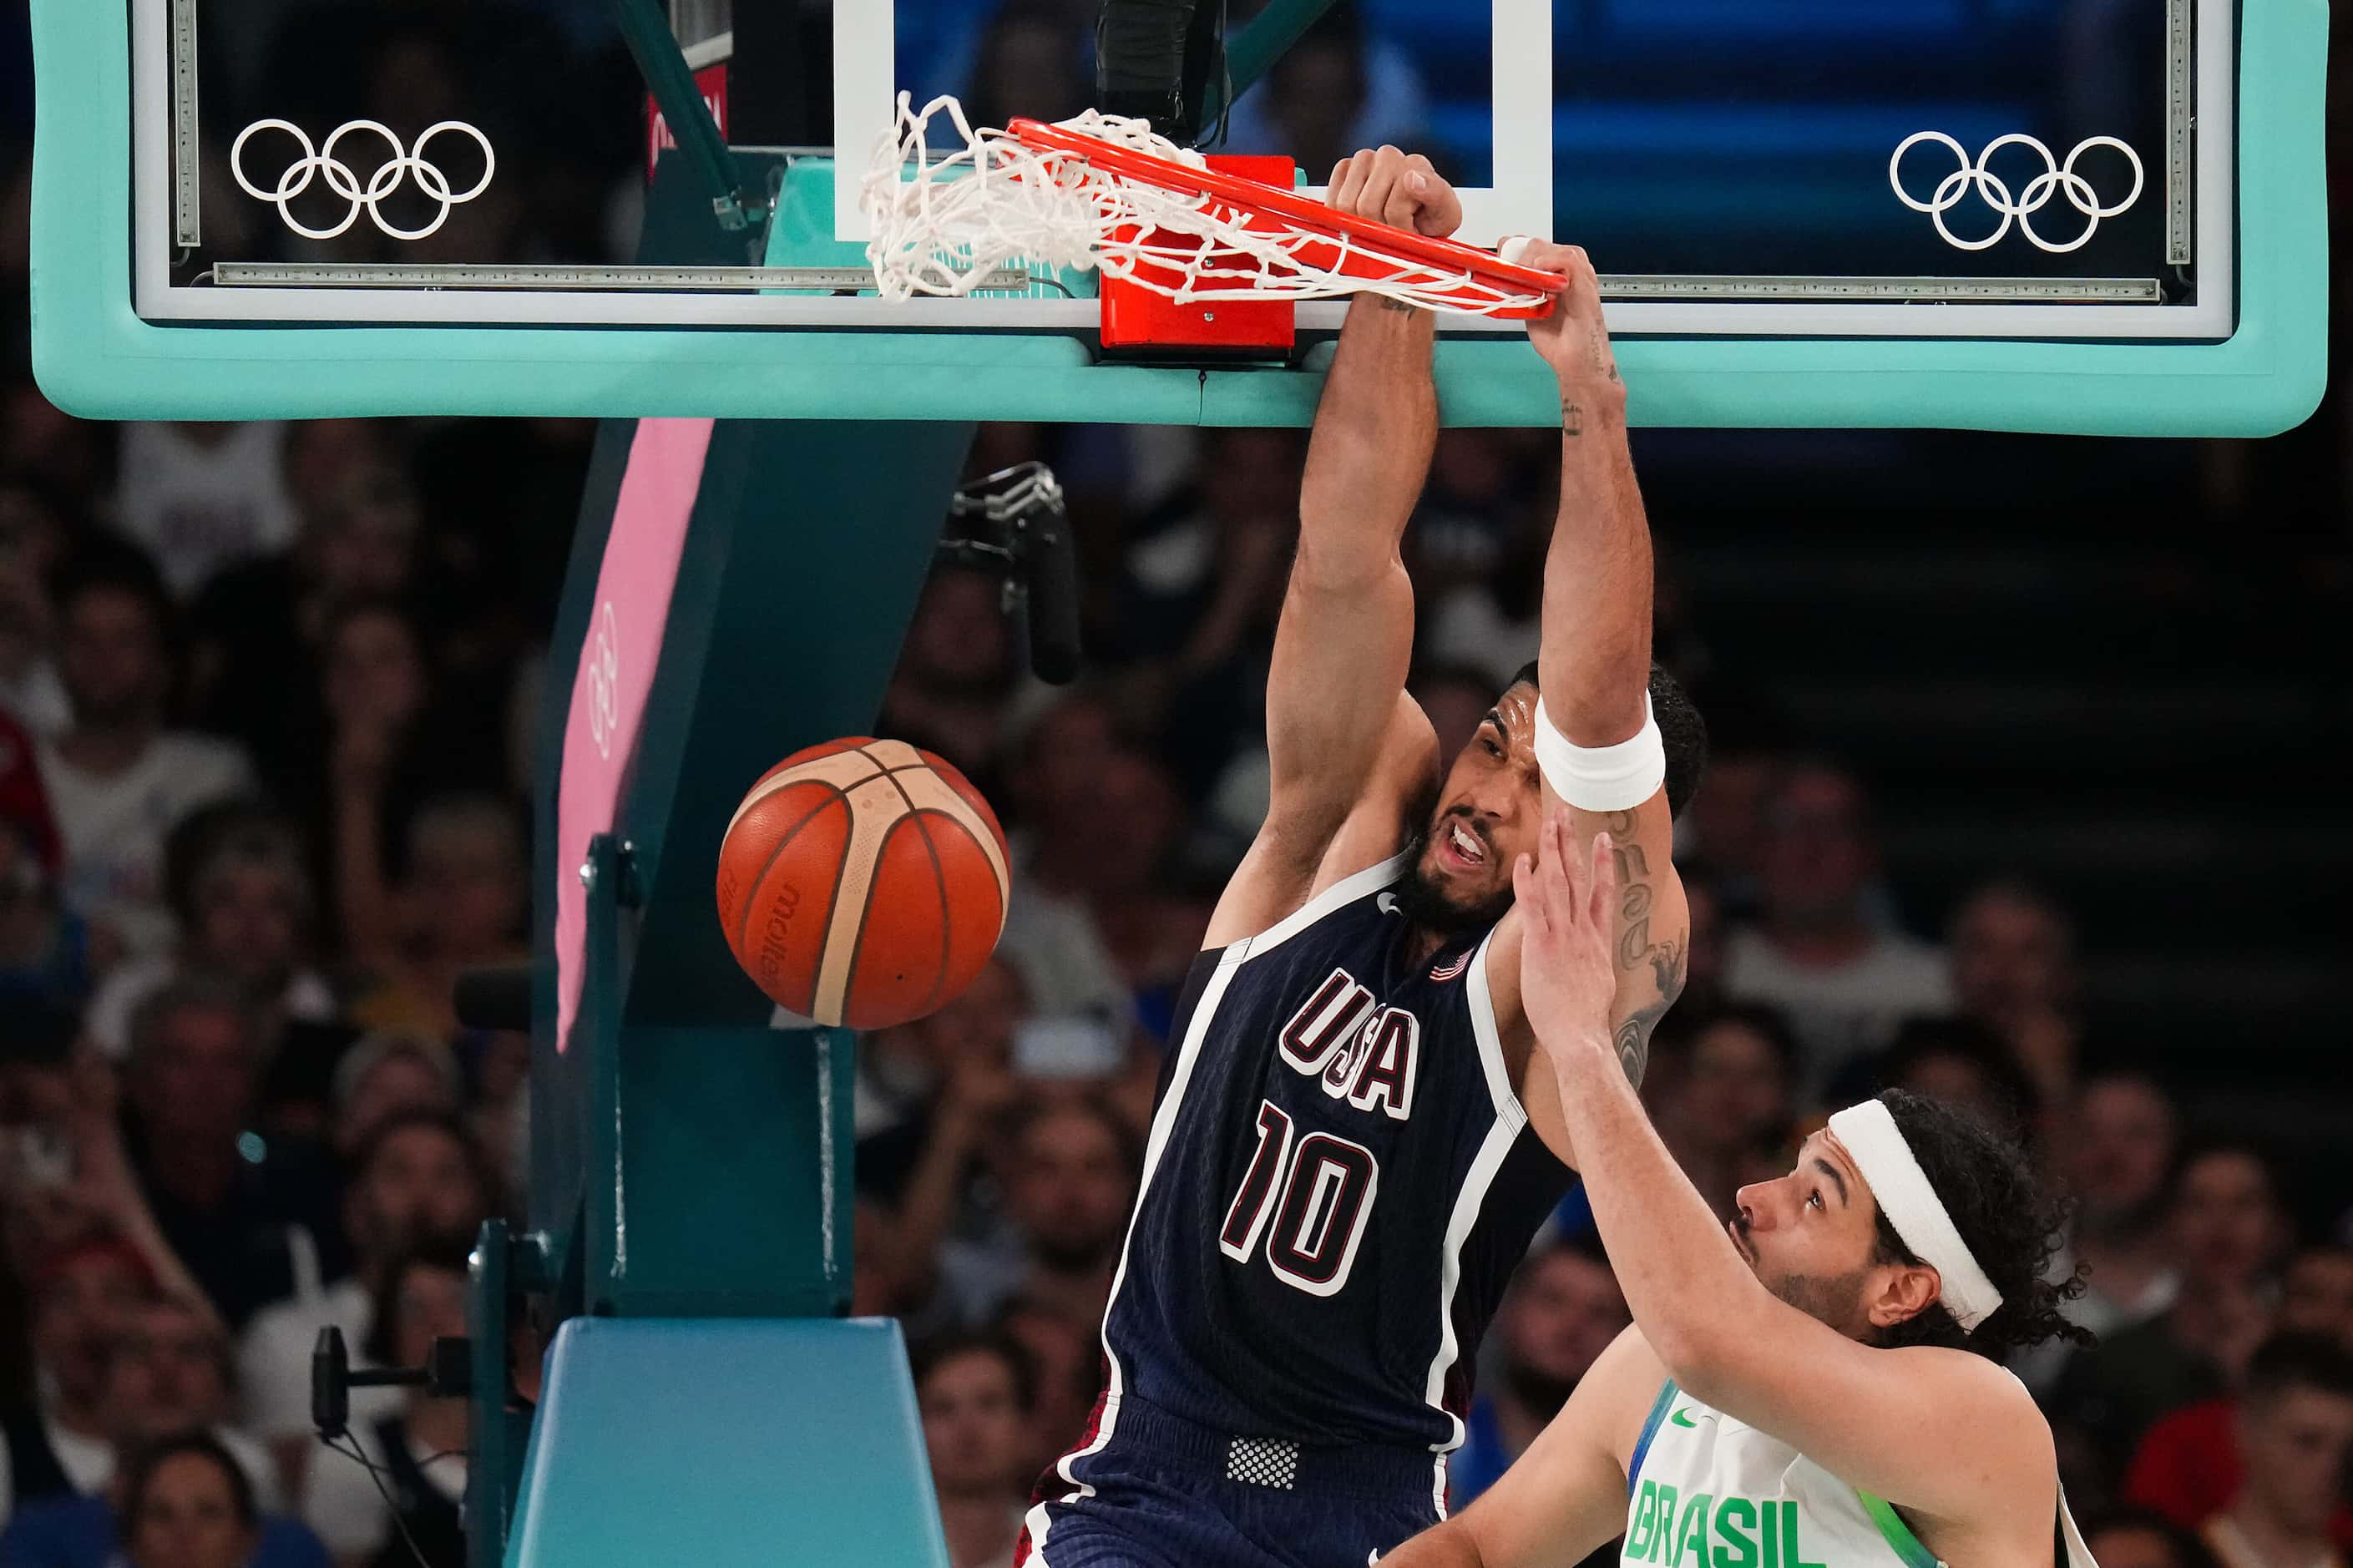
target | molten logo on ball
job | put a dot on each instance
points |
(863, 883)
(771, 948)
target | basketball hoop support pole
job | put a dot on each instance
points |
(692, 1182)
(671, 81)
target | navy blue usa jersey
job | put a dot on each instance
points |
(1339, 1182)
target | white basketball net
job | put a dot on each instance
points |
(990, 201)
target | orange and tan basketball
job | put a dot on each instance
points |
(863, 882)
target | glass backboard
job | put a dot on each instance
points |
(1762, 187)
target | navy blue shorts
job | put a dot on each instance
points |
(1165, 1493)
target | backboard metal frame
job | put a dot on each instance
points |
(106, 341)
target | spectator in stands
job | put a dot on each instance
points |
(61, 1445)
(1339, 88)
(1200, 584)
(24, 803)
(1489, 623)
(1069, 1175)
(461, 897)
(419, 1177)
(420, 1447)
(168, 1372)
(36, 527)
(1067, 1354)
(2122, 1131)
(385, 1075)
(1723, 1105)
(924, 1163)
(2134, 1538)
(323, 454)
(260, 623)
(37, 1065)
(118, 780)
(1484, 491)
(185, 1504)
(956, 670)
(2225, 1228)
(243, 909)
(38, 440)
(1561, 1311)
(1027, 64)
(1724, 828)
(2296, 1432)
(2229, 1219)
(44, 948)
(1704, 980)
(2190, 1466)
(225, 1204)
(389, 747)
(976, 1394)
(1961, 1062)
(2316, 1293)
(1118, 857)
(199, 497)
(1814, 952)
(2013, 953)
(1050, 932)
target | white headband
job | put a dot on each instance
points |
(1869, 1133)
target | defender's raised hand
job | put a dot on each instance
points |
(1397, 189)
(1567, 981)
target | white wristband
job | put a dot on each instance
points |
(1602, 778)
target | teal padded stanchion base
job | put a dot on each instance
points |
(738, 1443)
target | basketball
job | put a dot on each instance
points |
(862, 883)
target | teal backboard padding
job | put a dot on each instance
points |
(727, 1444)
(94, 356)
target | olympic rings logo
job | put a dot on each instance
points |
(346, 184)
(2056, 179)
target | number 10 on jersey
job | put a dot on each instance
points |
(1307, 1198)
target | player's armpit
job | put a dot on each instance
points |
(1567, 1495)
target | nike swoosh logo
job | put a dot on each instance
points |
(1386, 903)
(1683, 1417)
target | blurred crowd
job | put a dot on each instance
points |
(265, 699)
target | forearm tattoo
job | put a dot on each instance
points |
(1668, 959)
(1572, 418)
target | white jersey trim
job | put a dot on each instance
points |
(1346, 890)
(1510, 1117)
(1491, 1040)
(1164, 1121)
(1467, 1205)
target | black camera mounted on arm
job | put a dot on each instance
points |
(1023, 534)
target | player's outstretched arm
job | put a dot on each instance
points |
(1567, 1495)
(1943, 1432)
(1341, 733)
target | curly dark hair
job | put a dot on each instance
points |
(2011, 1226)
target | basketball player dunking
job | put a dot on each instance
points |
(1801, 1391)
(1354, 1140)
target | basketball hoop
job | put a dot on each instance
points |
(1102, 191)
